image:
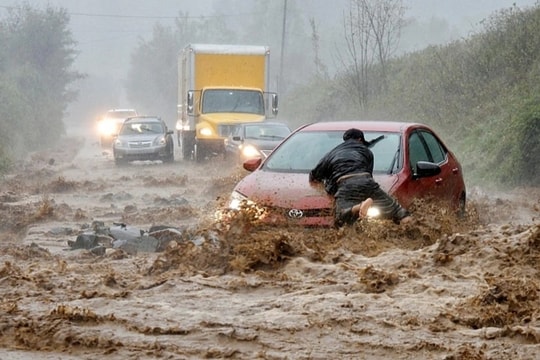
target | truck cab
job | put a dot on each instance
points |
(220, 86)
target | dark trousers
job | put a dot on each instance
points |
(354, 190)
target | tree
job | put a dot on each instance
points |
(36, 55)
(372, 31)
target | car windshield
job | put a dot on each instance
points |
(237, 101)
(266, 132)
(302, 151)
(135, 128)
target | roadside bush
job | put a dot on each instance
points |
(526, 149)
(36, 56)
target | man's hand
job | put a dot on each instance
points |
(315, 184)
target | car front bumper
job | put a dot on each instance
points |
(146, 153)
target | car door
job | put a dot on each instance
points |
(425, 146)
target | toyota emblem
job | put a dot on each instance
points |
(295, 213)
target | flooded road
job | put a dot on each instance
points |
(440, 287)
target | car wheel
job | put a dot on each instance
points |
(462, 208)
(105, 142)
(198, 153)
(118, 161)
(169, 158)
(187, 147)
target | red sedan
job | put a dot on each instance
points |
(411, 161)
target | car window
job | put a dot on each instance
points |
(417, 150)
(134, 128)
(236, 131)
(266, 132)
(303, 150)
(438, 153)
(252, 132)
(386, 154)
(273, 132)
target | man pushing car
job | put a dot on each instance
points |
(347, 174)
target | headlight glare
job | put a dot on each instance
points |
(373, 212)
(206, 131)
(250, 151)
(106, 127)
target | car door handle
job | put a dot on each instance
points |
(455, 170)
(438, 181)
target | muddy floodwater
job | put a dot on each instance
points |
(438, 288)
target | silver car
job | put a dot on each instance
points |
(143, 138)
(254, 140)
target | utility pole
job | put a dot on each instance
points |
(284, 26)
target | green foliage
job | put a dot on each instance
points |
(36, 54)
(524, 145)
(480, 93)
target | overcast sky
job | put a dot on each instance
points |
(108, 30)
(101, 26)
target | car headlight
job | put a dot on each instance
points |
(160, 141)
(239, 202)
(106, 127)
(206, 131)
(249, 151)
(118, 143)
(373, 212)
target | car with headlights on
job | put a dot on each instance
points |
(410, 161)
(143, 138)
(110, 124)
(254, 140)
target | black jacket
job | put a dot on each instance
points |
(351, 156)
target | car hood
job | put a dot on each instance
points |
(291, 190)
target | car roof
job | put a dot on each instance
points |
(121, 110)
(369, 125)
(144, 118)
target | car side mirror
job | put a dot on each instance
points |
(426, 169)
(252, 164)
(274, 104)
(190, 102)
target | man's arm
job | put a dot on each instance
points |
(316, 175)
(312, 178)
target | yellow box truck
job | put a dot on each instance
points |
(220, 86)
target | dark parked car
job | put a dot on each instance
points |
(411, 161)
(143, 138)
(255, 140)
(110, 124)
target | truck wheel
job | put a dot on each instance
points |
(187, 147)
(198, 153)
(186, 151)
